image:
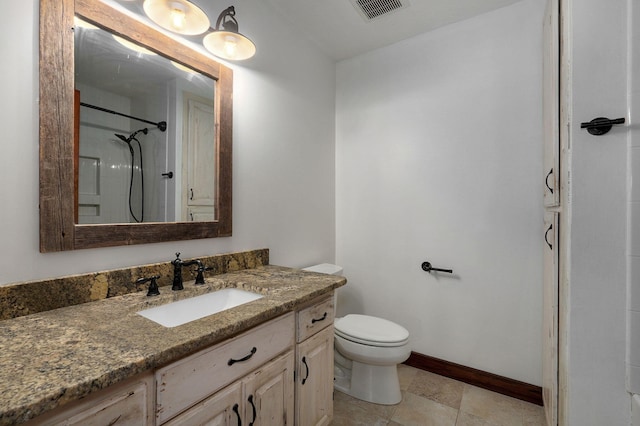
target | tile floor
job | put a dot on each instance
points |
(432, 400)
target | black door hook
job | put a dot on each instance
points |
(600, 125)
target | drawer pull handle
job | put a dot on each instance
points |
(253, 407)
(324, 317)
(246, 358)
(235, 410)
(304, 361)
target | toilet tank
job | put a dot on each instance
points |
(325, 268)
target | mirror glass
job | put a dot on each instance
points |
(146, 134)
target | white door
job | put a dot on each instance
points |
(199, 159)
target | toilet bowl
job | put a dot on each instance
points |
(367, 351)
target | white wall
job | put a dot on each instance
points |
(598, 214)
(439, 158)
(283, 179)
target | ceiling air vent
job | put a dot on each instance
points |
(373, 9)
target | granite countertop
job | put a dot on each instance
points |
(55, 357)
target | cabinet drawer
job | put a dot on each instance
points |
(315, 318)
(185, 382)
(128, 403)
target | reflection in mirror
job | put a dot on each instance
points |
(146, 134)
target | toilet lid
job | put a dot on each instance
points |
(370, 330)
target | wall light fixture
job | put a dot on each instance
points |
(184, 17)
(227, 42)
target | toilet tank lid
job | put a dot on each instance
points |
(373, 329)
(325, 268)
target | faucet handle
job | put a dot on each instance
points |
(200, 270)
(153, 286)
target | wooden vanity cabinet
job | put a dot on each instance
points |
(253, 371)
(314, 364)
(277, 373)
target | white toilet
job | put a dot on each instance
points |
(367, 351)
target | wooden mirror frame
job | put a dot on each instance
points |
(58, 230)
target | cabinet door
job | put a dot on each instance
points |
(222, 409)
(268, 393)
(550, 319)
(314, 384)
(551, 104)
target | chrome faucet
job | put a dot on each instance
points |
(177, 271)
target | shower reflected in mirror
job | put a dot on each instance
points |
(139, 169)
(120, 167)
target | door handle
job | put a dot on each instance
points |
(253, 409)
(235, 410)
(304, 361)
(600, 125)
(546, 180)
(546, 240)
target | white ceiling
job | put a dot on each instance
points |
(341, 32)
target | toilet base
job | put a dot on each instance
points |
(371, 383)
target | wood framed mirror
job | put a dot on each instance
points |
(59, 229)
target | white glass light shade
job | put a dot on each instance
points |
(229, 45)
(178, 16)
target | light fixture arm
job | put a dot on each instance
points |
(231, 24)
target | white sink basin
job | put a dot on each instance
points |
(187, 310)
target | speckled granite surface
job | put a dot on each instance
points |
(44, 295)
(51, 358)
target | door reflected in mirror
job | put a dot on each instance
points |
(145, 134)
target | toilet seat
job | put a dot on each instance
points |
(371, 331)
